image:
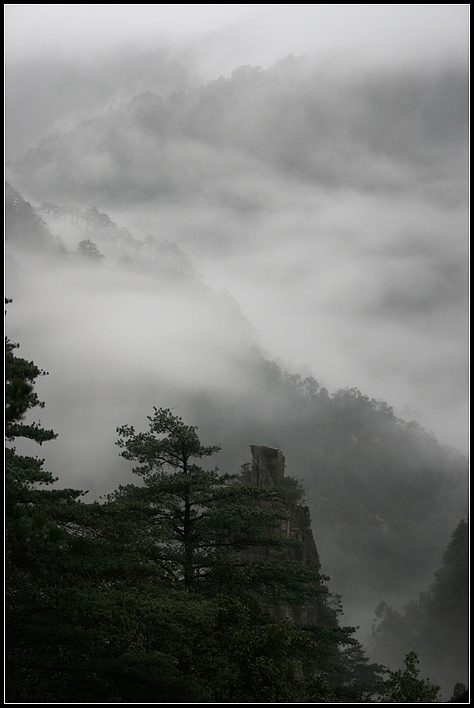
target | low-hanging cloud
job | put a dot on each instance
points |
(327, 195)
(344, 244)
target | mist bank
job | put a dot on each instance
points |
(329, 198)
(121, 332)
(71, 68)
(320, 121)
(275, 250)
(436, 623)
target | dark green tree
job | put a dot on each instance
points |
(198, 520)
(355, 679)
(89, 250)
(23, 473)
(33, 535)
(149, 596)
(450, 591)
(177, 491)
(198, 526)
(406, 687)
(86, 616)
(436, 624)
(443, 613)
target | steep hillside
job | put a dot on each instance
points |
(436, 624)
(383, 493)
(314, 121)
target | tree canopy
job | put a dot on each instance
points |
(436, 624)
(88, 249)
(151, 594)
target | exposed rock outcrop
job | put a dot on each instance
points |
(268, 467)
(268, 470)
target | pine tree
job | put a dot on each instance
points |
(198, 520)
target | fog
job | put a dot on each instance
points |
(264, 32)
(71, 61)
(114, 343)
(321, 202)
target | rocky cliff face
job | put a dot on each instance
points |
(268, 467)
(268, 470)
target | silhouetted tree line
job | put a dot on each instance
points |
(382, 491)
(299, 124)
(144, 596)
(436, 624)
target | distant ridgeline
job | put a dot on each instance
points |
(154, 148)
(383, 492)
(268, 470)
(30, 227)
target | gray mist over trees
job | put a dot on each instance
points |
(257, 220)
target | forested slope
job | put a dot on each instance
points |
(384, 494)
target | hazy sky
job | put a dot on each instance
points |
(364, 288)
(277, 29)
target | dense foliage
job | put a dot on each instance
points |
(436, 624)
(383, 492)
(147, 597)
(406, 687)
